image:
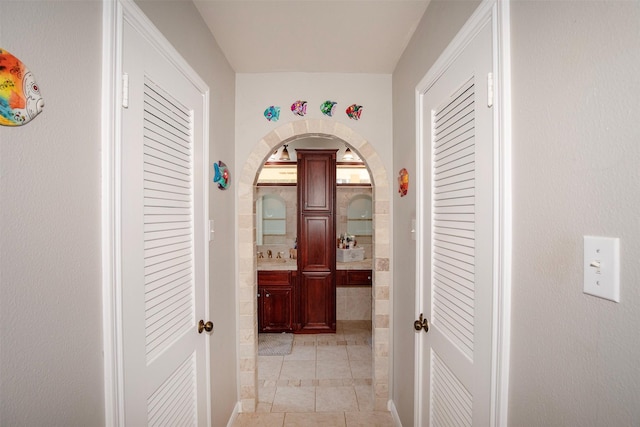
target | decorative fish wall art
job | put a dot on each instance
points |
(299, 108)
(403, 182)
(221, 175)
(272, 113)
(327, 108)
(20, 98)
(354, 111)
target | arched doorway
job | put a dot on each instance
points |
(246, 277)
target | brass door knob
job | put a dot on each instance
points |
(205, 326)
(421, 323)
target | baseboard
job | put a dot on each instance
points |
(234, 415)
(394, 413)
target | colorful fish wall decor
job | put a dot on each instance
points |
(403, 182)
(354, 111)
(327, 108)
(272, 113)
(221, 175)
(20, 99)
(299, 108)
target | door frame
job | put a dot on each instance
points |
(496, 11)
(113, 15)
(246, 284)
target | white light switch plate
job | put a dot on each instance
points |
(602, 267)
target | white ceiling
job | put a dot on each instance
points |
(329, 36)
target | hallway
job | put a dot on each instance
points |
(325, 381)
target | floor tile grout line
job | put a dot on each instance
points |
(317, 344)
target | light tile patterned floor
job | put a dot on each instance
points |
(325, 381)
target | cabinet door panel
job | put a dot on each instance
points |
(316, 178)
(316, 243)
(277, 309)
(318, 302)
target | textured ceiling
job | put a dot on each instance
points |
(346, 36)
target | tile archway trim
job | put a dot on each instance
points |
(246, 281)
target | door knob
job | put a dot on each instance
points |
(421, 323)
(205, 326)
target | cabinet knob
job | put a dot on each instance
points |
(267, 294)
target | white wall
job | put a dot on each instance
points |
(576, 151)
(181, 23)
(576, 162)
(50, 291)
(256, 92)
(441, 22)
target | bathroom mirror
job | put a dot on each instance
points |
(359, 215)
(271, 212)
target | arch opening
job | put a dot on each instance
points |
(247, 278)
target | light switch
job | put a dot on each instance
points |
(211, 230)
(602, 267)
(413, 229)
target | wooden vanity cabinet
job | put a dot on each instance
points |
(317, 240)
(276, 301)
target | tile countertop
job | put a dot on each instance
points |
(292, 264)
(277, 264)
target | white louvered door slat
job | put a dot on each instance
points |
(164, 248)
(182, 384)
(456, 242)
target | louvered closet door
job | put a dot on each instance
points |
(163, 274)
(457, 242)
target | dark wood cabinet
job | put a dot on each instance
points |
(316, 247)
(276, 301)
(353, 278)
(317, 180)
(316, 240)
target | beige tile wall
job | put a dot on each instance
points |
(353, 303)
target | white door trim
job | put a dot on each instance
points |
(496, 11)
(114, 13)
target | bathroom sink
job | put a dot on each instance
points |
(272, 260)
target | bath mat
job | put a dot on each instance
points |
(274, 344)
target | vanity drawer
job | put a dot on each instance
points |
(353, 278)
(273, 277)
(359, 277)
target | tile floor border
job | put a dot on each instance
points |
(247, 280)
(312, 419)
